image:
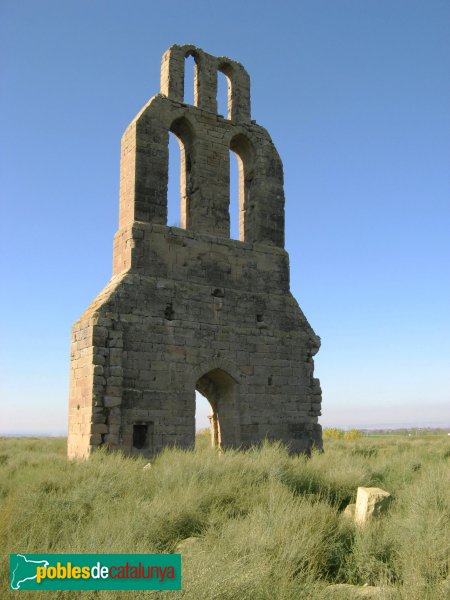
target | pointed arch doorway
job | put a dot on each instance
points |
(220, 389)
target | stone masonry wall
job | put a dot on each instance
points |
(189, 308)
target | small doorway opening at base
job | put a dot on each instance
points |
(142, 435)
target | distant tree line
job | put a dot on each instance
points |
(332, 433)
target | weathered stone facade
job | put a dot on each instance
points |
(189, 308)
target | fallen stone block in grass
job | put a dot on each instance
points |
(370, 502)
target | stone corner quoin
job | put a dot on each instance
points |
(188, 308)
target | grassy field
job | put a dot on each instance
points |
(270, 526)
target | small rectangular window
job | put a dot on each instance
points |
(142, 433)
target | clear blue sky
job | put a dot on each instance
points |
(356, 96)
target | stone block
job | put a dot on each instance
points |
(111, 439)
(110, 401)
(370, 502)
(98, 418)
(346, 591)
(187, 545)
(98, 359)
(349, 512)
(99, 428)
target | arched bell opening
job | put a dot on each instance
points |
(225, 97)
(244, 152)
(185, 136)
(190, 79)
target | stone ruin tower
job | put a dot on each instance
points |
(188, 308)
